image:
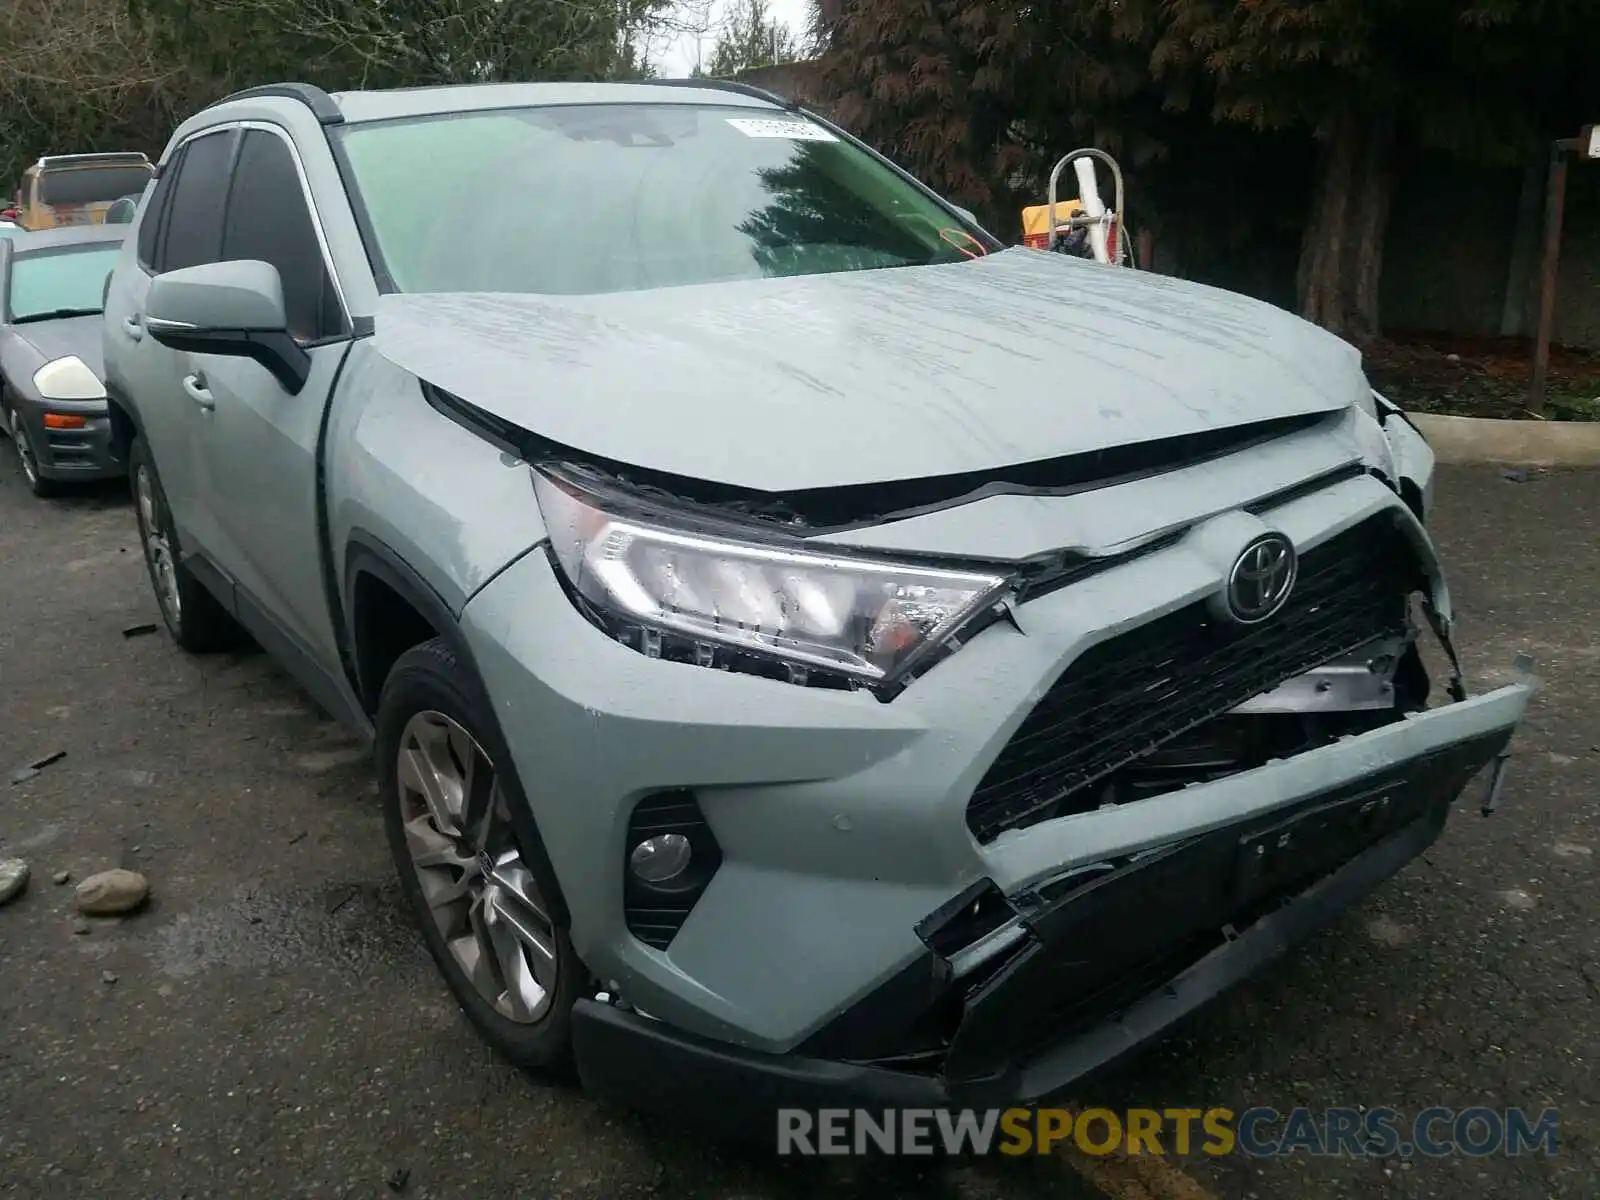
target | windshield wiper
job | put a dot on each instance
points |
(57, 314)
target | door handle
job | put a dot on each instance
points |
(133, 327)
(195, 387)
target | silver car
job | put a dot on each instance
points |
(52, 402)
(814, 655)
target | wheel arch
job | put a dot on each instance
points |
(125, 423)
(389, 608)
(1414, 498)
(376, 579)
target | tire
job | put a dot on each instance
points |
(196, 619)
(28, 462)
(432, 712)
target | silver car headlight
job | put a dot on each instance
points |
(670, 591)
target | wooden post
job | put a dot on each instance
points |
(1147, 249)
(1555, 195)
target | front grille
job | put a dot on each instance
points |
(71, 449)
(1124, 697)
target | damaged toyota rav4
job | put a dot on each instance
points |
(814, 654)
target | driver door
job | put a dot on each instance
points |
(256, 443)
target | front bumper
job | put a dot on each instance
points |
(842, 825)
(1102, 966)
(83, 454)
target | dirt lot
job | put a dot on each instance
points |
(269, 1027)
(1482, 377)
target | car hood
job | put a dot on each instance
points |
(825, 381)
(69, 335)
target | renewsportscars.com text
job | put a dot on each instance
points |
(1257, 1132)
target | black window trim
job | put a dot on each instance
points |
(344, 329)
(156, 215)
(238, 126)
(172, 168)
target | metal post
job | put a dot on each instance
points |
(1554, 202)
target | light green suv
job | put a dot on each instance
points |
(815, 655)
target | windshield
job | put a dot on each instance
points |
(585, 199)
(71, 279)
(90, 185)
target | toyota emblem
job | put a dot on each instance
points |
(1261, 579)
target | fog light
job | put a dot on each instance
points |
(669, 855)
(661, 858)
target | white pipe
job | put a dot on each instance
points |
(1096, 218)
(1093, 207)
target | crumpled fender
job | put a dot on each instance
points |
(1413, 459)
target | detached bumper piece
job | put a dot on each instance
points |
(1016, 998)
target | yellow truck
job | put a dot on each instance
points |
(78, 189)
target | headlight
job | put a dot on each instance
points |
(1384, 408)
(68, 378)
(1413, 456)
(719, 602)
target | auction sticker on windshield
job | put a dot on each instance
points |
(800, 131)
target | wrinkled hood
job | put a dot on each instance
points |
(828, 380)
(69, 335)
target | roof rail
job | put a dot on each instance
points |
(318, 101)
(729, 85)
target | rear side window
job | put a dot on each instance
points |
(270, 220)
(91, 185)
(194, 213)
(150, 230)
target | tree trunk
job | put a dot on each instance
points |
(1341, 255)
(1525, 242)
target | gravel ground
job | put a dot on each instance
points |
(275, 1030)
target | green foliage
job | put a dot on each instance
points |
(1474, 78)
(980, 95)
(399, 43)
(750, 37)
(79, 75)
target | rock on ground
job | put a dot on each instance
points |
(13, 878)
(111, 892)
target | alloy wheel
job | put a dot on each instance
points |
(478, 889)
(19, 439)
(157, 546)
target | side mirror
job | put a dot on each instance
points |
(966, 214)
(232, 308)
